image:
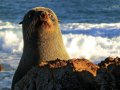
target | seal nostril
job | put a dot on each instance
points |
(41, 14)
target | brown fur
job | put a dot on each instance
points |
(42, 40)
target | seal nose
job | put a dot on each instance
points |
(42, 15)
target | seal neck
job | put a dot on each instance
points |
(49, 47)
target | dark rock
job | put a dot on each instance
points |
(108, 61)
(105, 80)
(111, 67)
(75, 74)
(60, 75)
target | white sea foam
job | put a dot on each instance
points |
(92, 45)
(10, 37)
(89, 26)
(93, 48)
(5, 25)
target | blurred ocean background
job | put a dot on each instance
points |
(91, 29)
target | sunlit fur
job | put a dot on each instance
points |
(34, 23)
(42, 41)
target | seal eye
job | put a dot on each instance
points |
(51, 17)
(31, 14)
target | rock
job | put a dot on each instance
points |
(115, 70)
(75, 74)
(110, 74)
(1, 67)
(105, 80)
(108, 61)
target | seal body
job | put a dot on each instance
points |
(42, 40)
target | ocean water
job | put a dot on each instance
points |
(91, 29)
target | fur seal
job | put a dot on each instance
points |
(42, 40)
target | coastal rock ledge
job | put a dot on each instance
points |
(74, 74)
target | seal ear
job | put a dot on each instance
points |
(21, 22)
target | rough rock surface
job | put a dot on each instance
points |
(75, 74)
(109, 73)
(60, 75)
(109, 61)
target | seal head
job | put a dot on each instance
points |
(41, 30)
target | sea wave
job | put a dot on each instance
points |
(10, 37)
(89, 26)
(93, 48)
(101, 41)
